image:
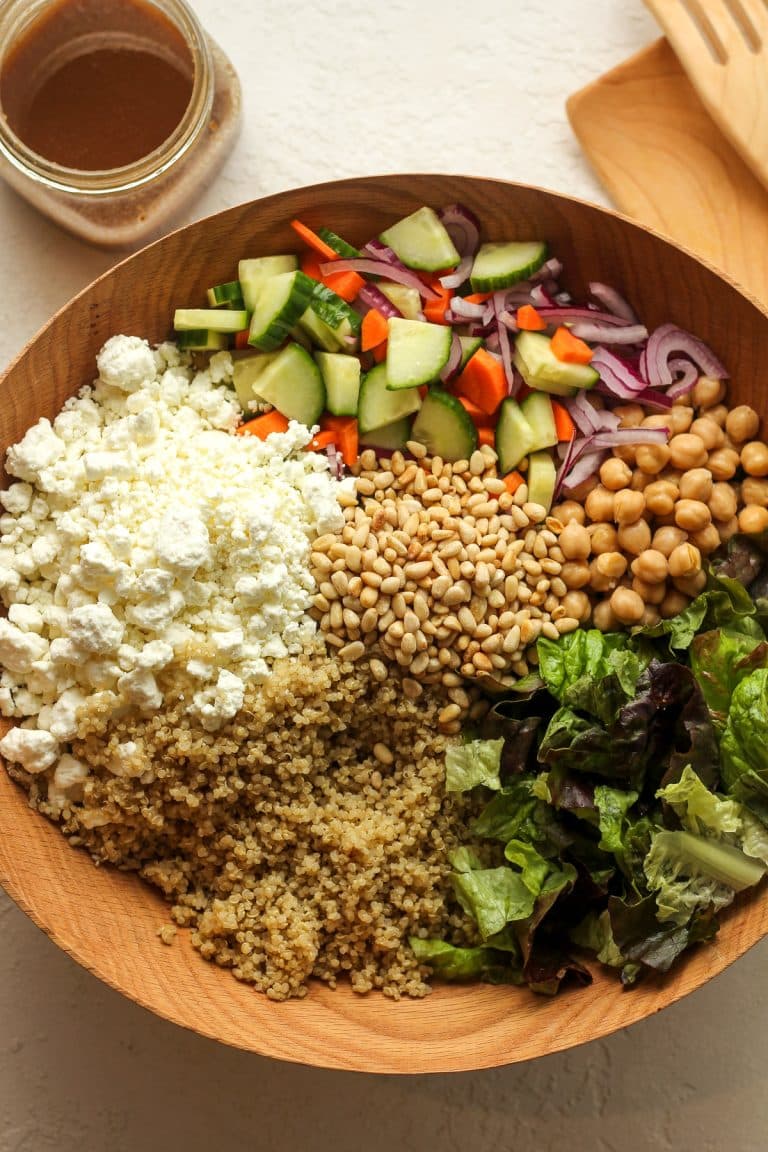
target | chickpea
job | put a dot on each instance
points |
(719, 414)
(577, 606)
(575, 574)
(723, 463)
(692, 585)
(709, 432)
(692, 515)
(728, 528)
(628, 506)
(615, 474)
(569, 511)
(754, 491)
(678, 419)
(650, 566)
(611, 564)
(627, 606)
(599, 504)
(684, 561)
(574, 541)
(625, 452)
(630, 415)
(599, 581)
(707, 392)
(742, 423)
(649, 593)
(640, 481)
(687, 451)
(660, 497)
(696, 484)
(722, 502)
(753, 519)
(635, 538)
(650, 616)
(604, 538)
(707, 540)
(581, 491)
(673, 603)
(652, 458)
(683, 399)
(667, 538)
(603, 617)
(657, 420)
(754, 458)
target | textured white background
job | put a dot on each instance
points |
(334, 89)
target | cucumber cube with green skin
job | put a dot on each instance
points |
(338, 244)
(469, 345)
(201, 340)
(537, 409)
(247, 370)
(541, 370)
(379, 405)
(293, 384)
(281, 302)
(542, 477)
(422, 241)
(393, 437)
(514, 436)
(417, 352)
(318, 332)
(253, 272)
(406, 300)
(228, 295)
(500, 265)
(213, 319)
(341, 376)
(444, 427)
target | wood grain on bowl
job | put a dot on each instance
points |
(107, 920)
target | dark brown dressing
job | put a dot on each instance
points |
(97, 84)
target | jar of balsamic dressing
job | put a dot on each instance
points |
(114, 114)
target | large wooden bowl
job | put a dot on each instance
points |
(108, 921)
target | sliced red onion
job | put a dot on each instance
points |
(373, 297)
(454, 360)
(493, 342)
(617, 375)
(563, 298)
(623, 436)
(540, 298)
(467, 309)
(505, 345)
(609, 333)
(336, 461)
(663, 345)
(688, 378)
(380, 268)
(585, 467)
(651, 398)
(550, 270)
(612, 301)
(568, 313)
(587, 418)
(508, 320)
(464, 229)
(378, 251)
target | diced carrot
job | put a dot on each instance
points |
(569, 348)
(529, 320)
(344, 284)
(321, 440)
(374, 331)
(479, 418)
(483, 381)
(263, 426)
(380, 352)
(478, 297)
(513, 480)
(241, 338)
(564, 426)
(486, 436)
(345, 435)
(312, 240)
(435, 310)
(310, 266)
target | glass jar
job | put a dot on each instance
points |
(122, 207)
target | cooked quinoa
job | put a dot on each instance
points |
(309, 837)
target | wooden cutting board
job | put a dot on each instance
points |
(663, 161)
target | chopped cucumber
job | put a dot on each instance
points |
(469, 345)
(406, 300)
(318, 331)
(214, 319)
(537, 409)
(281, 302)
(393, 436)
(542, 477)
(541, 369)
(254, 272)
(514, 436)
(417, 352)
(247, 371)
(341, 376)
(421, 241)
(228, 295)
(500, 265)
(379, 406)
(340, 246)
(444, 427)
(201, 340)
(292, 382)
(343, 321)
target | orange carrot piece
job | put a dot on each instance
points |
(374, 331)
(529, 320)
(479, 418)
(345, 435)
(569, 348)
(478, 297)
(513, 480)
(435, 310)
(564, 426)
(321, 440)
(310, 266)
(344, 284)
(486, 436)
(483, 381)
(380, 352)
(241, 338)
(312, 240)
(263, 426)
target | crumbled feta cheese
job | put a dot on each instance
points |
(33, 749)
(126, 362)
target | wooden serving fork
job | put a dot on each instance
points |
(723, 47)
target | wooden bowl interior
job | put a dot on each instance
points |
(108, 921)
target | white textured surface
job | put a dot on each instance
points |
(335, 89)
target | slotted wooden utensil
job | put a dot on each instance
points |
(723, 47)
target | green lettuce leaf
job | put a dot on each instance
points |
(493, 897)
(612, 805)
(720, 660)
(452, 963)
(725, 603)
(744, 745)
(575, 665)
(476, 763)
(690, 874)
(533, 867)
